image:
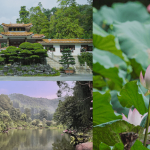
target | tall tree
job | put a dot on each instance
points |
(43, 114)
(27, 111)
(39, 21)
(65, 22)
(24, 15)
(75, 110)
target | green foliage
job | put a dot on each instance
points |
(65, 23)
(104, 146)
(117, 11)
(27, 53)
(129, 96)
(100, 133)
(86, 57)
(67, 59)
(102, 109)
(24, 15)
(43, 114)
(138, 145)
(39, 21)
(75, 110)
(121, 52)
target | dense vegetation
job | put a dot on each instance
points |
(86, 57)
(66, 58)
(75, 111)
(70, 20)
(121, 52)
(26, 54)
(21, 111)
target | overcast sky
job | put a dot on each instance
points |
(9, 9)
(44, 89)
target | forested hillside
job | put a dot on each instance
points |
(22, 101)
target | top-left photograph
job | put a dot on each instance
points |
(47, 40)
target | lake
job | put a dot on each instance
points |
(35, 139)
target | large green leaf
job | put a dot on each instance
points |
(122, 12)
(102, 109)
(108, 44)
(134, 40)
(109, 134)
(109, 65)
(116, 104)
(97, 30)
(104, 146)
(98, 82)
(117, 146)
(104, 41)
(138, 145)
(129, 96)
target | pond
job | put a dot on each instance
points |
(35, 139)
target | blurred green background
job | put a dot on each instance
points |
(98, 3)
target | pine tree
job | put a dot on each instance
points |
(67, 59)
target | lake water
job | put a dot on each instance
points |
(35, 139)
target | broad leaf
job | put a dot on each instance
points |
(104, 146)
(138, 145)
(116, 104)
(134, 40)
(118, 146)
(107, 65)
(102, 109)
(129, 96)
(123, 12)
(109, 134)
(98, 82)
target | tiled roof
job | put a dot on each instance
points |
(16, 33)
(37, 35)
(66, 41)
(17, 25)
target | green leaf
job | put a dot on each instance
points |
(134, 41)
(102, 109)
(118, 146)
(123, 12)
(98, 82)
(103, 146)
(129, 96)
(97, 30)
(116, 104)
(109, 134)
(108, 44)
(138, 145)
(109, 66)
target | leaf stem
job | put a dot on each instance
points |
(147, 123)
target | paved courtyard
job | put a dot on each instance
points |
(76, 77)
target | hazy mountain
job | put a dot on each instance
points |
(31, 102)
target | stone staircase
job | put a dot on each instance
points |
(54, 63)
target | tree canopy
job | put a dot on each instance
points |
(75, 110)
(69, 20)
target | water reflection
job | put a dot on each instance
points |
(35, 139)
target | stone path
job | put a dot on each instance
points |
(76, 77)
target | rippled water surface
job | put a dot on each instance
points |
(35, 139)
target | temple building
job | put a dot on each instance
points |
(15, 34)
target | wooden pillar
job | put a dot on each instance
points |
(0, 45)
(25, 39)
(7, 42)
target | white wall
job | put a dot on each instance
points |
(75, 52)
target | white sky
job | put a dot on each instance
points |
(9, 9)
